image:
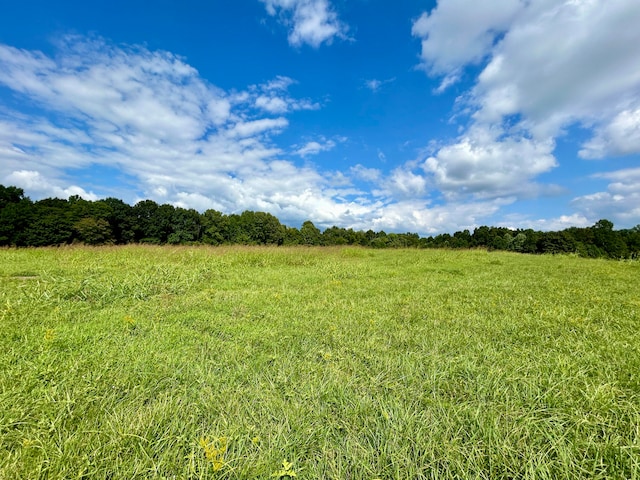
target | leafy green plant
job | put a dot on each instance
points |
(286, 471)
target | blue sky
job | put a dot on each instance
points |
(417, 116)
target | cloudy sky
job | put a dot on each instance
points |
(417, 116)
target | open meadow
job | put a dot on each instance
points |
(337, 363)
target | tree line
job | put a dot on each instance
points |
(55, 221)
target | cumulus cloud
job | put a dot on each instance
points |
(420, 216)
(180, 140)
(35, 183)
(151, 116)
(272, 104)
(564, 62)
(484, 165)
(545, 66)
(272, 97)
(315, 147)
(311, 22)
(256, 127)
(403, 183)
(621, 136)
(117, 87)
(460, 32)
(516, 221)
(367, 174)
(620, 202)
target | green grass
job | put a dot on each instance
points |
(134, 362)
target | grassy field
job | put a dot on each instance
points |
(159, 362)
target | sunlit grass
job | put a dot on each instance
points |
(159, 362)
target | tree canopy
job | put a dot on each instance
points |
(55, 221)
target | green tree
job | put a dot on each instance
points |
(292, 236)
(517, 243)
(632, 240)
(51, 223)
(334, 236)
(358, 237)
(267, 229)
(186, 226)
(238, 228)
(311, 235)
(556, 242)
(122, 220)
(255, 228)
(381, 240)
(215, 227)
(144, 213)
(10, 195)
(153, 221)
(608, 240)
(482, 236)
(93, 231)
(461, 239)
(15, 215)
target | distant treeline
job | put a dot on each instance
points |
(54, 221)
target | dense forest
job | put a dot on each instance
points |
(54, 221)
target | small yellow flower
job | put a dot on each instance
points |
(214, 451)
(255, 440)
(49, 335)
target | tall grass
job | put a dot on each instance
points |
(159, 362)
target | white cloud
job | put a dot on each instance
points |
(281, 83)
(34, 182)
(204, 148)
(564, 62)
(367, 174)
(36, 144)
(621, 136)
(485, 164)
(620, 203)
(118, 87)
(256, 127)
(184, 141)
(283, 104)
(272, 97)
(562, 222)
(272, 104)
(458, 32)
(374, 85)
(403, 183)
(419, 216)
(151, 116)
(546, 65)
(313, 22)
(314, 147)
(218, 110)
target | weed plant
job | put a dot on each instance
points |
(236, 363)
